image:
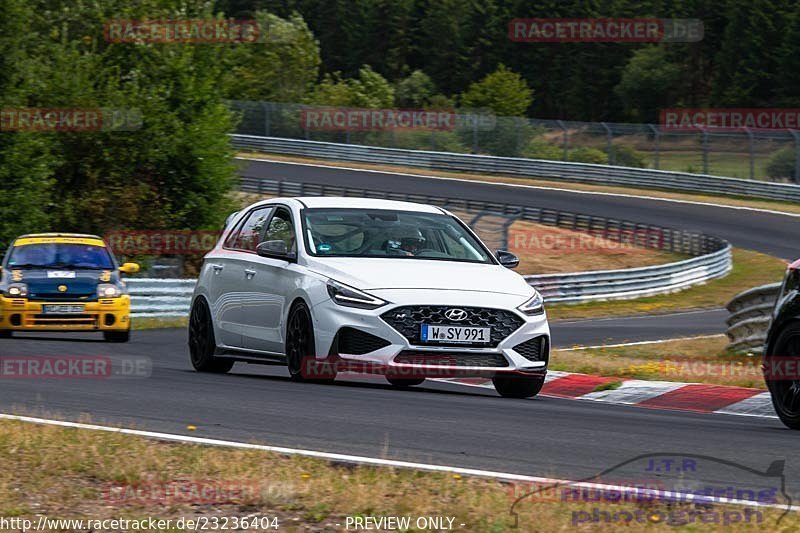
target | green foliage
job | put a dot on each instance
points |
(539, 148)
(282, 67)
(781, 164)
(588, 155)
(648, 84)
(369, 90)
(502, 91)
(415, 91)
(627, 156)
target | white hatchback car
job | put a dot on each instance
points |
(326, 285)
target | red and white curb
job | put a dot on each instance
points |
(695, 397)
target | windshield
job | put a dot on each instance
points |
(60, 255)
(387, 233)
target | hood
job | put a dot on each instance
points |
(378, 273)
(79, 283)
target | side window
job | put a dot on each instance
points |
(249, 233)
(281, 229)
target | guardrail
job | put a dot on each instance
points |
(534, 168)
(160, 297)
(750, 315)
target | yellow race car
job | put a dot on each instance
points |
(64, 282)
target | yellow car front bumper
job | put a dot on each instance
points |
(105, 314)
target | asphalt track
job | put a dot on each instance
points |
(436, 423)
(769, 233)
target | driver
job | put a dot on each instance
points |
(405, 241)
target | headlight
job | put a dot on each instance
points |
(108, 290)
(534, 306)
(17, 290)
(345, 295)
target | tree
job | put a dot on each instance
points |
(502, 91)
(281, 67)
(369, 89)
(416, 90)
(648, 84)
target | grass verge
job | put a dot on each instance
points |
(80, 474)
(700, 360)
(786, 207)
(750, 269)
(158, 322)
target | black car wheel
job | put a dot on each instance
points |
(202, 343)
(300, 348)
(117, 336)
(784, 390)
(518, 386)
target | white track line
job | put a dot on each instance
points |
(640, 343)
(355, 459)
(537, 187)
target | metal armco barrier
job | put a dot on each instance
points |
(750, 316)
(533, 168)
(160, 297)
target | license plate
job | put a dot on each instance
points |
(460, 334)
(60, 274)
(61, 309)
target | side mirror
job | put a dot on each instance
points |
(275, 250)
(507, 259)
(129, 268)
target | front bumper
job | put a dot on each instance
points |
(105, 314)
(402, 358)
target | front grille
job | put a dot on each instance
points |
(407, 321)
(535, 349)
(64, 320)
(356, 342)
(61, 296)
(455, 359)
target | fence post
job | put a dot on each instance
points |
(705, 152)
(267, 118)
(796, 136)
(474, 136)
(566, 138)
(751, 143)
(657, 135)
(609, 143)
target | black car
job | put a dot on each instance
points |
(781, 363)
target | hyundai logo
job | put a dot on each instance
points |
(456, 315)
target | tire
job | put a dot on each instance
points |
(202, 343)
(518, 386)
(117, 336)
(785, 393)
(301, 348)
(401, 382)
(6, 333)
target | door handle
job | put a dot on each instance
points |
(249, 273)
